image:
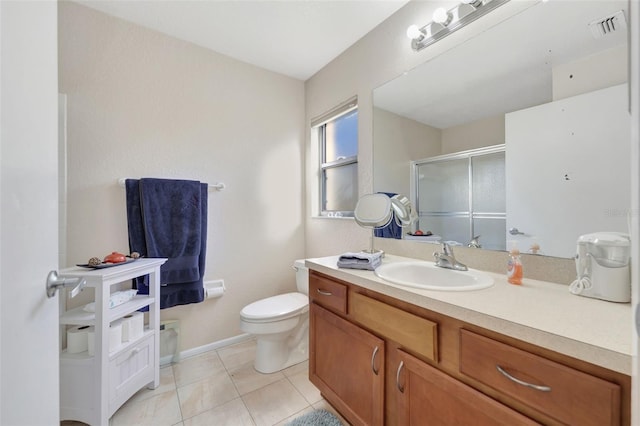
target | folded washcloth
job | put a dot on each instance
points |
(360, 260)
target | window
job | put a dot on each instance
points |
(337, 133)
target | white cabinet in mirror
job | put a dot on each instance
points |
(536, 95)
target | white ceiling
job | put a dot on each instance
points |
(292, 37)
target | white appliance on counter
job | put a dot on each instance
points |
(602, 266)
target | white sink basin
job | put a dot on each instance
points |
(425, 275)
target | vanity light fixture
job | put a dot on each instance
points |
(415, 33)
(447, 21)
(442, 16)
(425, 33)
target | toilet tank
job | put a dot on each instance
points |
(302, 276)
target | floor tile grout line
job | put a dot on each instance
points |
(298, 390)
(177, 393)
(240, 396)
(230, 376)
(248, 411)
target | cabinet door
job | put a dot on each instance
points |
(427, 396)
(347, 364)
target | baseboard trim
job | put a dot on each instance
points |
(215, 345)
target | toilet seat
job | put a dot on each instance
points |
(275, 308)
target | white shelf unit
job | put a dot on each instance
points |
(92, 388)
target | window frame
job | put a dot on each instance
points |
(319, 125)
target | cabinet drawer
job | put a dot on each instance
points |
(130, 371)
(328, 293)
(413, 333)
(563, 393)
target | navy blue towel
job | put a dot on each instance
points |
(392, 229)
(168, 218)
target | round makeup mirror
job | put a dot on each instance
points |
(373, 211)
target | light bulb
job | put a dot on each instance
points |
(414, 33)
(441, 16)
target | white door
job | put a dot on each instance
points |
(634, 91)
(28, 212)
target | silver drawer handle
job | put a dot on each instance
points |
(325, 293)
(373, 361)
(399, 386)
(134, 352)
(523, 383)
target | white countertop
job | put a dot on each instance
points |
(538, 312)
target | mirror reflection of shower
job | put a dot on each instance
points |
(461, 197)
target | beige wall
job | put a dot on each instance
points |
(142, 104)
(404, 140)
(400, 140)
(477, 134)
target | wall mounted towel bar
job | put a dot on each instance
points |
(217, 186)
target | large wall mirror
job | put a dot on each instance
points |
(549, 82)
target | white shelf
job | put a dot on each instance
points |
(92, 388)
(84, 356)
(78, 316)
(114, 274)
(138, 301)
(80, 357)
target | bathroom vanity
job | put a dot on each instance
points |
(514, 355)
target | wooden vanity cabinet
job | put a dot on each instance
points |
(347, 367)
(436, 370)
(426, 396)
(347, 363)
(564, 393)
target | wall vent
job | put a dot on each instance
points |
(612, 24)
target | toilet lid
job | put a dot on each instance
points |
(276, 307)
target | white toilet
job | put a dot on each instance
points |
(281, 325)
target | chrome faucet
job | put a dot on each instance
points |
(475, 242)
(446, 259)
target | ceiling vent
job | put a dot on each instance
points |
(612, 24)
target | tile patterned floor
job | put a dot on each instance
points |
(221, 388)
